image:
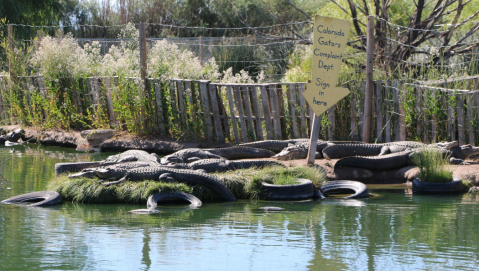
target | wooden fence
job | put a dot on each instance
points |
(201, 110)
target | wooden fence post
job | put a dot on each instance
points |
(366, 132)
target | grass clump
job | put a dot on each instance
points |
(246, 183)
(433, 167)
(90, 191)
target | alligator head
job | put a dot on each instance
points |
(102, 173)
(464, 152)
(293, 152)
(446, 145)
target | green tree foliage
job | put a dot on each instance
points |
(41, 12)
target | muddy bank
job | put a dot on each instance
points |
(121, 141)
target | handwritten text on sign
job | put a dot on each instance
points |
(330, 37)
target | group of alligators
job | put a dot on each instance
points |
(192, 165)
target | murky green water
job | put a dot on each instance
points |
(393, 231)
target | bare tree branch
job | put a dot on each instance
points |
(301, 11)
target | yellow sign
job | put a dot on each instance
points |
(330, 38)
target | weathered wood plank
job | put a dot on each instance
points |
(175, 120)
(229, 93)
(247, 108)
(266, 112)
(451, 125)
(223, 114)
(302, 111)
(256, 112)
(419, 112)
(379, 111)
(402, 111)
(275, 111)
(96, 85)
(433, 122)
(397, 113)
(293, 108)
(109, 100)
(191, 116)
(281, 106)
(353, 124)
(460, 119)
(205, 108)
(332, 120)
(239, 108)
(470, 115)
(389, 105)
(140, 85)
(159, 108)
(181, 105)
(216, 114)
(362, 88)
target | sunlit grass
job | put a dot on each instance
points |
(433, 167)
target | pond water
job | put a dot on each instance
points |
(395, 230)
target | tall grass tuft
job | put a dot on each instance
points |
(251, 179)
(433, 167)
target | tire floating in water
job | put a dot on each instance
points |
(38, 199)
(172, 196)
(358, 189)
(454, 187)
(302, 190)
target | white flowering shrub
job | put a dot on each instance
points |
(64, 63)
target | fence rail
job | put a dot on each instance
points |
(201, 110)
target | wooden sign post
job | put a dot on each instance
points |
(329, 42)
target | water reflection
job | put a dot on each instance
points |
(394, 230)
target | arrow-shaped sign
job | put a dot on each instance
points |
(330, 38)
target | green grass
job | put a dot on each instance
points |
(251, 180)
(433, 167)
(90, 191)
(244, 184)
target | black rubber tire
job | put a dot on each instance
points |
(193, 177)
(334, 187)
(61, 168)
(172, 196)
(302, 190)
(456, 186)
(40, 198)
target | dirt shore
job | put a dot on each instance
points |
(122, 141)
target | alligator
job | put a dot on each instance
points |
(456, 155)
(132, 156)
(384, 162)
(194, 154)
(274, 145)
(121, 174)
(221, 165)
(344, 150)
(300, 151)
